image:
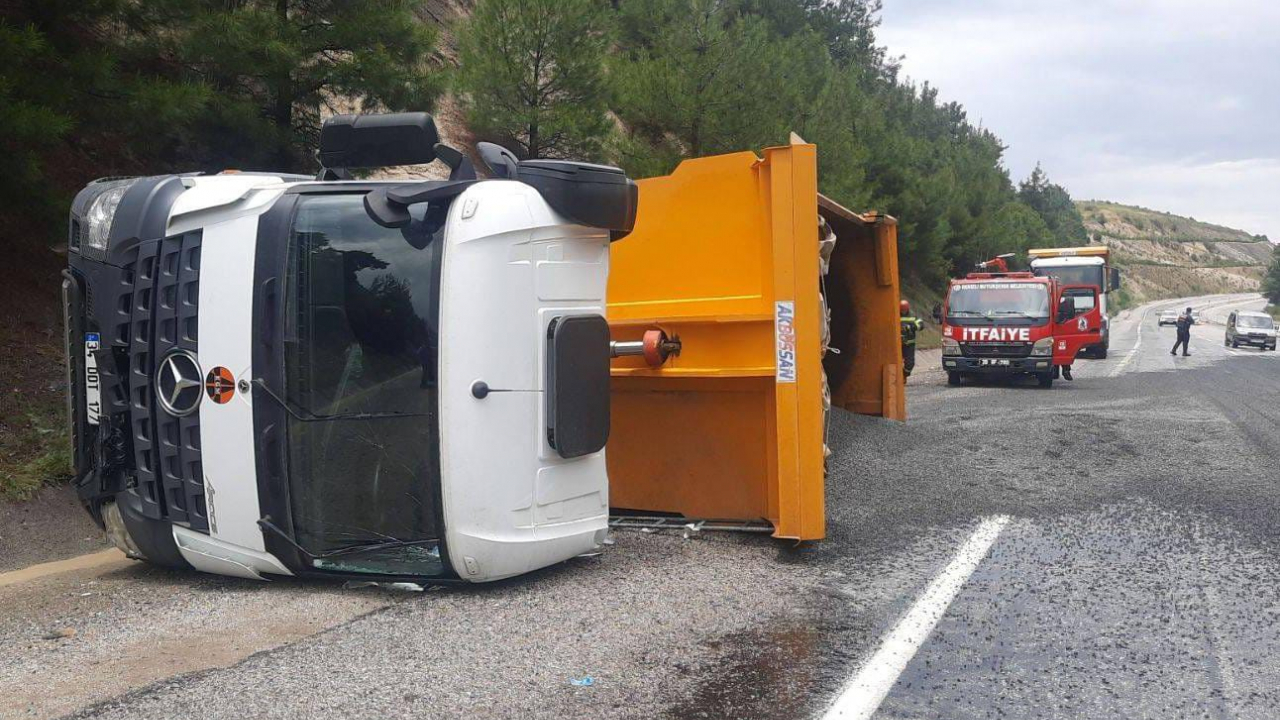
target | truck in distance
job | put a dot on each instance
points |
(1088, 265)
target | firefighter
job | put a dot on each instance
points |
(911, 326)
(1185, 321)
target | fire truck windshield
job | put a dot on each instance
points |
(1026, 302)
(361, 339)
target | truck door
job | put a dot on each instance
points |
(1077, 322)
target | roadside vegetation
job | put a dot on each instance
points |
(1271, 283)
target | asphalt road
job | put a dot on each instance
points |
(1127, 567)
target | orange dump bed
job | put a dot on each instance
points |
(726, 255)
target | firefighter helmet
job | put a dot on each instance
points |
(904, 307)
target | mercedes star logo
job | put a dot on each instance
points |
(178, 383)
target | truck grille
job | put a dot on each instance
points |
(996, 349)
(158, 313)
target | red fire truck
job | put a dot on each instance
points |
(1004, 323)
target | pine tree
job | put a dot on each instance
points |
(532, 75)
(1054, 205)
(72, 107)
(274, 67)
(29, 123)
(708, 77)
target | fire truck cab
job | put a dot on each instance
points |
(1016, 323)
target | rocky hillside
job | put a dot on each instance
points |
(1165, 255)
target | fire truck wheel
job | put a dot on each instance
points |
(1046, 379)
(953, 378)
(1100, 354)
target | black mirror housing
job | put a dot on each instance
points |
(386, 140)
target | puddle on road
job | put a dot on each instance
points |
(770, 675)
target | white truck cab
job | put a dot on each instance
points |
(1088, 265)
(273, 374)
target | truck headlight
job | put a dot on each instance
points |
(950, 347)
(102, 211)
(1042, 348)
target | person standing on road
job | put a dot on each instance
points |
(911, 326)
(1185, 321)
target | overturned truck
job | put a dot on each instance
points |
(274, 374)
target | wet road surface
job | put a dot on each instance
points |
(1135, 576)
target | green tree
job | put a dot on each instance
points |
(72, 107)
(273, 68)
(1271, 282)
(708, 80)
(1014, 228)
(29, 124)
(1054, 205)
(532, 72)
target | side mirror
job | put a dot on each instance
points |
(385, 140)
(1115, 278)
(937, 313)
(1066, 309)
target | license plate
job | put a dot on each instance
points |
(92, 383)
(995, 361)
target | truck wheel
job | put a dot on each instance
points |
(953, 378)
(1100, 353)
(140, 537)
(1045, 379)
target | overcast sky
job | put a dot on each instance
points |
(1169, 104)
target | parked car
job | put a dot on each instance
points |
(1167, 317)
(1251, 328)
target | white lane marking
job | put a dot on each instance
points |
(1137, 345)
(868, 688)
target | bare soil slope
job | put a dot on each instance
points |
(1165, 255)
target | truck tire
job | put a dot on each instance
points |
(1100, 353)
(1045, 379)
(144, 538)
(953, 378)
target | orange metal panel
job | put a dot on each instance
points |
(865, 374)
(724, 255)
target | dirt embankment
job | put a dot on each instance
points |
(1165, 255)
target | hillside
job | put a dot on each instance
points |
(1165, 255)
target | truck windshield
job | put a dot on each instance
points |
(998, 300)
(1076, 275)
(363, 309)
